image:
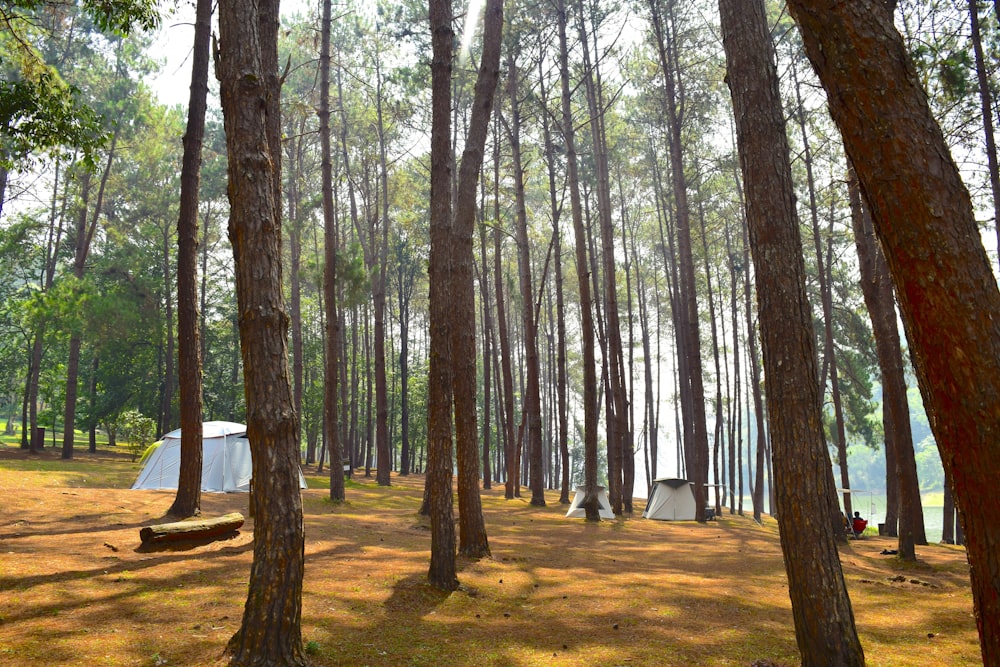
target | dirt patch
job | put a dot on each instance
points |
(78, 590)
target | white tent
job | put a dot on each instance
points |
(226, 464)
(671, 500)
(576, 510)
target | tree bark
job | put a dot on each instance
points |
(192, 530)
(562, 406)
(407, 270)
(821, 609)
(472, 527)
(187, 502)
(697, 452)
(529, 324)
(947, 292)
(293, 200)
(717, 439)
(829, 365)
(270, 632)
(484, 303)
(590, 406)
(442, 573)
(619, 445)
(986, 104)
(379, 254)
(332, 340)
(512, 487)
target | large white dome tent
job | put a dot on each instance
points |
(226, 467)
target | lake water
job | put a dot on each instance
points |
(872, 507)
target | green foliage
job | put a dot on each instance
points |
(40, 111)
(41, 114)
(137, 429)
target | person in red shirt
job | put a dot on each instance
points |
(858, 525)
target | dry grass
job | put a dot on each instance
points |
(76, 590)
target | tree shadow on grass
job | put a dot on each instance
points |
(414, 596)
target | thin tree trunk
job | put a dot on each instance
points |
(717, 439)
(407, 269)
(562, 406)
(377, 252)
(332, 340)
(484, 303)
(688, 299)
(532, 395)
(876, 286)
(986, 104)
(187, 502)
(590, 406)
(735, 429)
(512, 487)
(293, 199)
(829, 365)
(618, 445)
(85, 235)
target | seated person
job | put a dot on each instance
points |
(858, 525)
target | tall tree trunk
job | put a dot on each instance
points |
(986, 104)
(684, 428)
(562, 406)
(698, 451)
(380, 258)
(876, 286)
(187, 502)
(736, 426)
(332, 340)
(628, 444)
(462, 306)
(590, 406)
(532, 389)
(947, 292)
(760, 443)
(270, 632)
(369, 389)
(829, 365)
(620, 445)
(293, 200)
(821, 609)
(512, 486)
(717, 431)
(484, 303)
(407, 269)
(442, 573)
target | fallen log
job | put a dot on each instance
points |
(195, 529)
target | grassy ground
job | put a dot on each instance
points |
(78, 590)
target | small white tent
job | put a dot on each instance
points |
(671, 500)
(576, 510)
(226, 464)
